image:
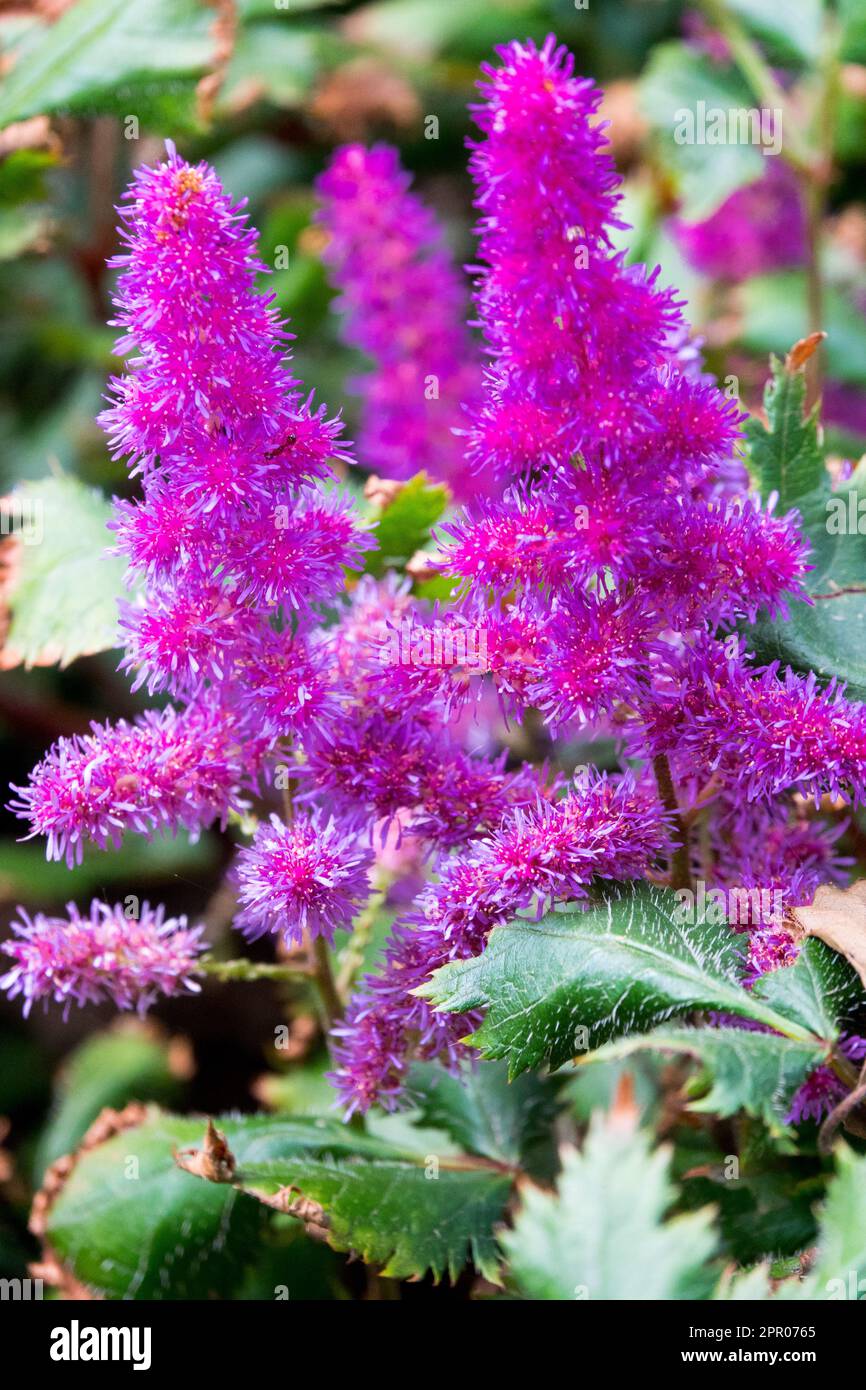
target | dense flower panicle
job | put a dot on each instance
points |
(307, 876)
(284, 676)
(580, 338)
(179, 635)
(768, 949)
(722, 560)
(376, 607)
(378, 767)
(538, 855)
(293, 554)
(103, 956)
(233, 529)
(593, 647)
(763, 731)
(775, 846)
(169, 769)
(210, 348)
(403, 305)
(233, 536)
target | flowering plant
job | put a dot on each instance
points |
(520, 789)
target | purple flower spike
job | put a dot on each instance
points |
(103, 956)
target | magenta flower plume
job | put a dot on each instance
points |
(168, 770)
(209, 347)
(103, 956)
(309, 876)
(762, 730)
(580, 339)
(234, 539)
(403, 305)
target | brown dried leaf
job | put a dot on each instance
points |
(802, 351)
(214, 1161)
(838, 917)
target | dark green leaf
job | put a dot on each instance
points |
(818, 990)
(406, 1212)
(131, 1061)
(829, 635)
(484, 1112)
(129, 1224)
(577, 979)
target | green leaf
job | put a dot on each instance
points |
(623, 966)
(110, 55)
(131, 1061)
(160, 1233)
(392, 1213)
(404, 525)
(741, 1070)
(407, 1212)
(128, 1223)
(484, 1112)
(675, 79)
(828, 636)
(604, 1236)
(839, 1270)
(786, 457)
(852, 17)
(273, 62)
(62, 589)
(818, 990)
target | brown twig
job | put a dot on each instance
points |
(681, 874)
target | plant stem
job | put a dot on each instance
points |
(814, 193)
(681, 873)
(352, 958)
(761, 78)
(323, 975)
(251, 970)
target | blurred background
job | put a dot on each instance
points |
(265, 91)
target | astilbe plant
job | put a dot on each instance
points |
(607, 566)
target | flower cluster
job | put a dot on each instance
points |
(403, 306)
(239, 536)
(103, 956)
(307, 876)
(605, 552)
